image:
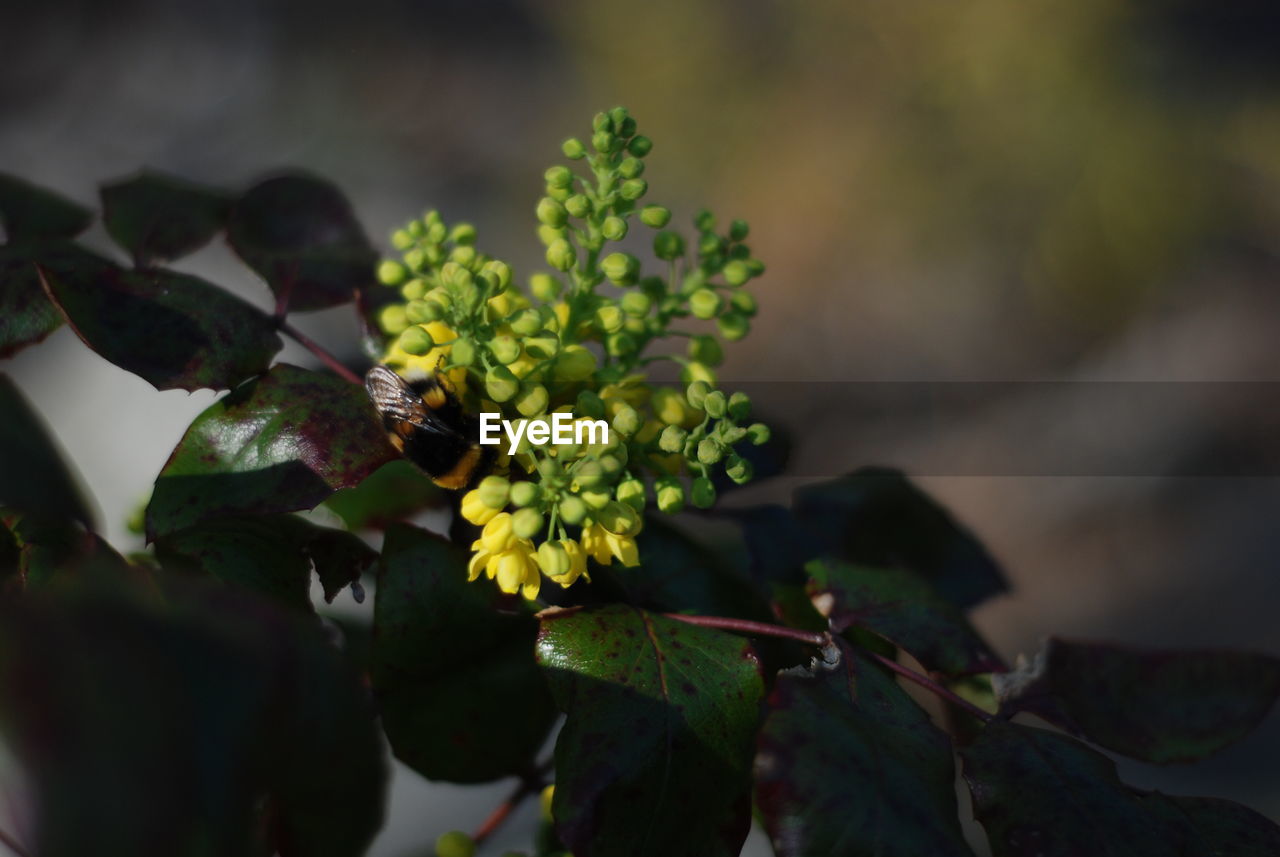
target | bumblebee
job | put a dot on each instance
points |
(428, 425)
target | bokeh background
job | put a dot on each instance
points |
(1027, 252)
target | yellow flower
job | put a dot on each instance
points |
(562, 561)
(475, 510)
(603, 546)
(497, 535)
(399, 359)
(513, 567)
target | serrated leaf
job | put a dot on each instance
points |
(155, 216)
(34, 475)
(1157, 706)
(155, 726)
(460, 695)
(301, 236)
(905, 610)
(26, 314)
(848, 764)
(876, 517)
(655, 756)
(391, 493)
(279, 443)
(29, 211)
(173, 330)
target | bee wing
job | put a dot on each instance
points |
(396, 401)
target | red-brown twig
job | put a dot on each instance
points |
(530, 784)
(318, 350)
(930, 685)
(12, 844)
(746, 626)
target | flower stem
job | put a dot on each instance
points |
(929, 685)
(318, 350)
(529, 784)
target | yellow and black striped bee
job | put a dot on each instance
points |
(427, 423)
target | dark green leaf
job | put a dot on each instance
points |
(391, 493)
(301, 236)
(461, 697)
(849, 765)
(1158, 706)
(877, 517)
(26, 314)
(155, 216)
(34, 476)
(1041, 794)
(904, 609)
(173, 330)
(1220, 828)
(53, 549)
(340, 560)
(777, 542)
(155, 729)
(279, 443)
(28, 211)
(655, 756)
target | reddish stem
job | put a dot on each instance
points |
(930, 685)
(528, 785)
(746, 626)
(12, 844)
(318, 350)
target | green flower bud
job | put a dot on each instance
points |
(419, 312)
(733, 326)
(729, 434)
(572, 509)
(573, 149)
(551, 212)
(614, 228)
(620, 344)
(633, 189)
(736, 273)
(704, 220)
(574, 363)
(715, 404)
(601, 122)
(710, 450)
(704, 303)
(640, 146)
(758, 433)
(738, 230)
(527, 523)
(559, 194)
(559, 176)
(435, 231)
(742, 252)
(739, 406)
(744, 302)
(618, 518)
(524, 493)
(626, 421)
(739, 470)
(578, 205)
(391, 273)
(545, 287)
(505, 349)
(635, 303)
(392, 319)
(612, 465)
(464, 254)
(617, 116)
(463, 233)
(413, 290)
(589, 405)
(596, 500)
(627, 128)
(694, 280)
(620, 268)
(696, 394)
(655, 216)
(710, 244)
(463, 352)
(500, 269)
(455, 843)
(494, 491)
(631, 492)
(703, 493)
(695, 371)
(668, 246)
(560, 255)
(670, 495)
(588, 475)
(401, 239)
(706, 349)
(553, 559)
(500, 384)
(416, 340)
(602, 141)
(609, 317)
(532, 400)
(631, 168)
(672, 439)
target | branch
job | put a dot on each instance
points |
(531, 783)
(12, 844)
(759, 629)
(929, 685)
(318, 350)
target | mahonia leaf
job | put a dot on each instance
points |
(279, 443)
(848, 764)
(1157, 706)
(173, 330)
(155, 216)
(26, 314)
(655, 756)
(877, 517)
(389, 494)
(905, 610)
(34, 475)
(28, 211)
(156, 726)
(460, 694)
(301, 236)
(1220, 828)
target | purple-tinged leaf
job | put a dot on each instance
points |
(173, 330)
(34, 475)
(279, 443)
(301, 236)
(655, 756)
(901, 607)
(28, 211)
(154, 216)
(849, 764)
(26, 314)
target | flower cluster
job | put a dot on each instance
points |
(580, 340)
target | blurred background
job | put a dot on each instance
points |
(1030, 253)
